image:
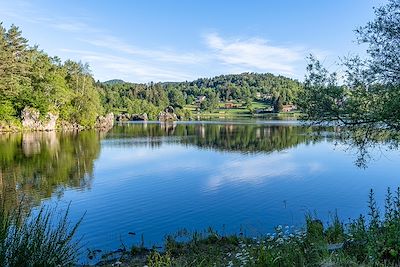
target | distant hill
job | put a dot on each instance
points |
(151, 97)
(114, 81)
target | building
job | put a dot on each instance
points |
(200, 99)
(261, 96)
(288, 108)
(229, 105)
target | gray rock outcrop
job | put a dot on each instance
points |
(31, 120)
(167, 115)
(105, 122)
(122, 117)
(134, 117)
(139, 117)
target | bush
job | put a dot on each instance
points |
(371, 241)
(37, 240)
(7, 111)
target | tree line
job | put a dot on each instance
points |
(31, 78)
(118, 95)
(368, 96)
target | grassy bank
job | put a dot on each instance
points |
(369, 240)
(238, 111)
(42, 239)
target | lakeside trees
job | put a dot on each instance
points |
(117, 95)
(31, 78)
(370, 94)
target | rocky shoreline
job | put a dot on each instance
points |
(31, 120)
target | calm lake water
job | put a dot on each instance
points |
(155, 179)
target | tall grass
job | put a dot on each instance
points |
(40, 239)
(369, 240)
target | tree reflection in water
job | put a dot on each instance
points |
(41, 165)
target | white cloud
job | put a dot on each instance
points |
(168, 55)
(111, 56)
(261, 169)
(255, 54)
(109, 66)
(71, 26)
(252, 170)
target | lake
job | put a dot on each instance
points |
(155, 179)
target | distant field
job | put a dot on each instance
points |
(240, 110)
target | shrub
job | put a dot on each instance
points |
(37, 240)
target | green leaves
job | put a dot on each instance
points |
(30, 78)
(369, 94)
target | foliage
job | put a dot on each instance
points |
(374, 241)
(37, 239)
(42, 164)
(30, 78)
(382, 36)
(370, 93)
(121, 96)
(244, 138)
(7, 111)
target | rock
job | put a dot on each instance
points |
(167, 115)
(105, 122)
(31, 120)
(123, 117)
(51, 122)
(67, 126)
(133, 117)
(9, 127)
(139, 117)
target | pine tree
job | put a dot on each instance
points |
(17, 67)
(4, 57)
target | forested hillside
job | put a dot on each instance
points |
(149, 98)
(29, 78)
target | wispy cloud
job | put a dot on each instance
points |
(261, 169)
(168, 55)
(71, 25)
(27, 11)
(255, 54)
(114, 56)
(110, 66)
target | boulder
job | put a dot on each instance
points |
(31, 120)
(105, 122)
(67, 126)
(134, 117)
(50, 122)
(139, 117)
(122, 117)
(167, 115)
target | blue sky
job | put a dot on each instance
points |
(176, 40)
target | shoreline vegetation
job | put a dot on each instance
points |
(43, 93)
(39, 92)
(44, 239)
(369, 240)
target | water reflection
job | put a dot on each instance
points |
(38, 165)
(224, 137)
(155, 178)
